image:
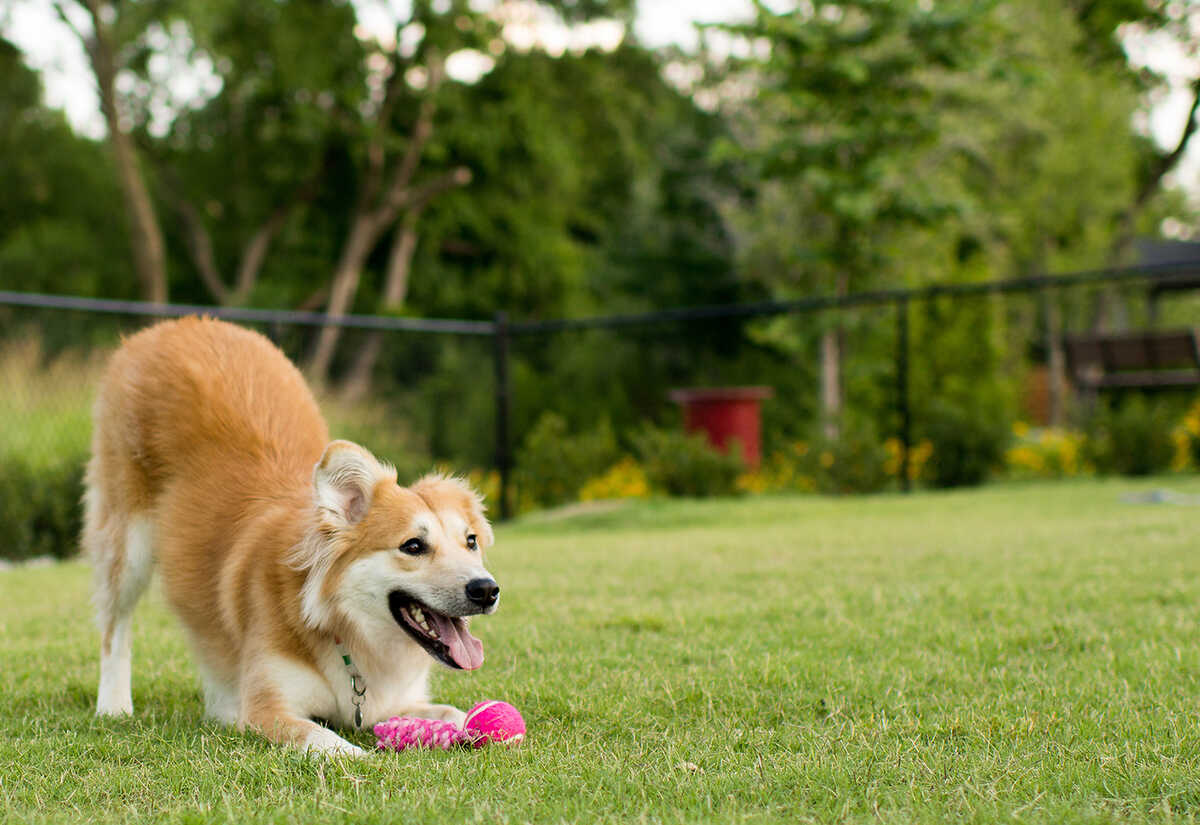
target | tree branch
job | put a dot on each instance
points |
(418, 199)
(62, 15)
(255, 252)
(1168, 161)
(1149, 185)
(199, 244)
(422, 130)
(376, 154)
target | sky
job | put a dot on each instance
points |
(53, 50)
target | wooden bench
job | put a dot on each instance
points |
(1134, 360)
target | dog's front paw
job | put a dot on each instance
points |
(328, 743)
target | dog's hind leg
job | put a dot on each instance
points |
(122, 553)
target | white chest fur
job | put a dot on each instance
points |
(391, 684)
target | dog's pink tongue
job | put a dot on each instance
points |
(465, 649)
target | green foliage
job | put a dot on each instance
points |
(40, 502)
(1132, 435)
(59, 231)
(685, 464)
(44, 428)
(553, 464)
(848, 100)
(857, 462)
(961, 399)
(969, 441)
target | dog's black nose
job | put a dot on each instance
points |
(483, 592)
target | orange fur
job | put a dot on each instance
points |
(211, 461)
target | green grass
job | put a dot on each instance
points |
(1019, 653)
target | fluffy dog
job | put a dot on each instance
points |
(312, 585)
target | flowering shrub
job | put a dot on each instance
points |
(685, 464)
(918, 458)
(850, 465)
(781, 470)
(554, 463)
(1046, 453)
(1185, 439)
(1132, 435)
(625, 479)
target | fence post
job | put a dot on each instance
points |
(503, 403)
(902, 391)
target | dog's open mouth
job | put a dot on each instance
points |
(445, 638)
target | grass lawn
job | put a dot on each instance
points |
(1018, 653)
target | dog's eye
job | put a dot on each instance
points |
(472, 544)
(414, 547)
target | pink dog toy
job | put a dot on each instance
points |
(487, 722)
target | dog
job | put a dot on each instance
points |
(313, 587)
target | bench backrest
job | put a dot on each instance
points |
(1092, 357)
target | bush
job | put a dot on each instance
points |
(968, 441)
(685, 464)
(1132, 436)
(40, 505)
(1186, 440)
(787, 469)
(625, 479)
(44, 431)
(857, 462)
(552, 464)
(1047, 453)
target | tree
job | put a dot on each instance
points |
(395, 184)
(238, 168)
(844, 99)
(387, 189)
(58, 231)
(110, 28)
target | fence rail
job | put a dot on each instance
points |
(501, 330)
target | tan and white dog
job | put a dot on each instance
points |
(281, 551)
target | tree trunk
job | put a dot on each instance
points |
(395, 290)
(366, 229)
(145, 236)
(199, 244)
(255, 253)
(362, 239)
(831, 368)
(831, 392)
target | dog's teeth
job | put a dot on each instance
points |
(432, 632)
(418, 615)
(424, 624)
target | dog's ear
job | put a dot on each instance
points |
(464, 496)
(344, 480)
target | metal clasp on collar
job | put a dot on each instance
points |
(359, 686)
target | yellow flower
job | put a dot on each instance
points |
(625, 479)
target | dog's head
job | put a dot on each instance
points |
(382, 559)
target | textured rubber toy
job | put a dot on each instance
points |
(487, 722)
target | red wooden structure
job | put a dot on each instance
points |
(725, 414)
